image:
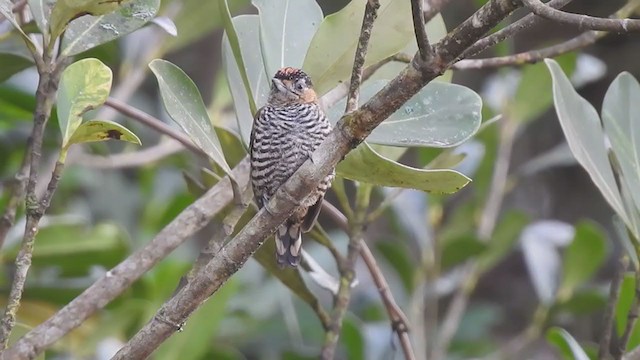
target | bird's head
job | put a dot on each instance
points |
(290, 85)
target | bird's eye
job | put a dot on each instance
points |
(299, 86)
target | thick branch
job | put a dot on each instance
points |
(117, 280)
(583, 22)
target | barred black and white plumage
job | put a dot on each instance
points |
(285, 133)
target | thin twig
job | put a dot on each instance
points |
(195, 217)
(140, 158)
(510, 31)
(610, 310)
(582, 22)
(16, 191)
(419, 29)
(533, 56)
(45, 93)
(154, 123)
(370, 14)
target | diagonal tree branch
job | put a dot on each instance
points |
(419, 28)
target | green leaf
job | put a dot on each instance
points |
(532, 98)
(248, 32)
(65, 11)
(12, 64)
(89, 31)
(352, 339)
(458, 250)
(364, 164)
(84, 86)
(184, 104)
(619, 116)
(286, 29)
(582, 258)
(503, 239)
(583, 302)
(581, 127)
(102, 130)
(439, 115)
(41, 11)
(566, 344)
(196, 19)
(233, 42)
(340, 31)
(397, 255)
(15, 105)
(196, 339)
(625, 300)
(290, 277)
(6, 10)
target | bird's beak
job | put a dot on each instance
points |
(278, 84)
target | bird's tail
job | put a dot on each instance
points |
(288, 244)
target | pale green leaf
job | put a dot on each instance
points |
(364, 164)
(12, 64)
(566, 344)
(84, 86)
(65, 11)
(248, 31)
(184, 104)
(581, 126)
(620, 117)
(582, 258)
(90, 31)
(102, 130)
(439, 115)
(330, 56)
(41, 10)
(6, 10)
(286, 29)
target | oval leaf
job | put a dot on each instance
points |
(340, 32)
(286, 29)
(184, 104)
(620, 119)
(84, 85)
(89, 31)
(65, 11)
(582, 258)
(248, 32)
(101, 130)
(581, 127)
(439, 115)
(364, 164)
(12, 64)
(567, 345)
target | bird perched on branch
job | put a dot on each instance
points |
(285, 133)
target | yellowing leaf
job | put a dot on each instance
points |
(101, 130)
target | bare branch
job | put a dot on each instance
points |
(16, 189)
(582, 22)
(433, 7)
(533, 56)
(511, 30)
(370, 14)
(419, 28)
(127, 160)
(117, 280)
(156, 124)
(610, 310)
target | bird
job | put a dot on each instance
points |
(285, 132)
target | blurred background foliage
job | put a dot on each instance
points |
(487, 272)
